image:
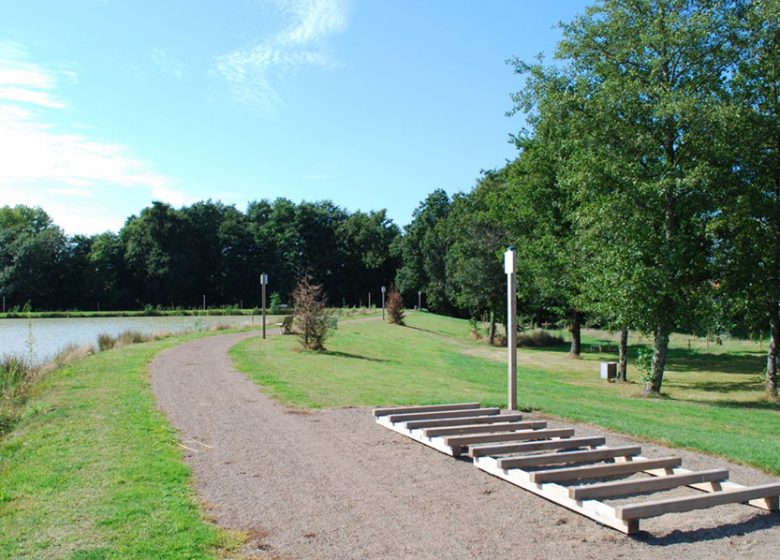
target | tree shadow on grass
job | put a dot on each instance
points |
(755, 385)
(355, 357)
(759, 522)
(740, 405)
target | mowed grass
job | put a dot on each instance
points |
(714, 402)
(93, 470)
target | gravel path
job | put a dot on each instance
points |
(333, 484)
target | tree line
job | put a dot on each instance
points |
(645, 195)
(174, 257)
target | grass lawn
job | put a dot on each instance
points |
(93, 470)
(714, 402)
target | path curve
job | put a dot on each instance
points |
(332, 484)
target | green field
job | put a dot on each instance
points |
(93, 470)
(714, 401)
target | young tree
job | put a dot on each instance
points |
(313, 321)
(395, 306)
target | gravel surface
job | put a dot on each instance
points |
(334, 484)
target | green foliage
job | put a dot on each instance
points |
(276, 302)
(644, 363)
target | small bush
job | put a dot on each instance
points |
(314, 322)
(395, 306)
(106, 342)
(276, 304)
(538, 339)
(15, 374)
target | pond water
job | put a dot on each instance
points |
(42, 339)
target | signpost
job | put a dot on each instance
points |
(263, 284)
(384, 289)
(511, 326)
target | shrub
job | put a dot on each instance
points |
(395, 306)
(538, 339)
(276, 304)
(106, 342)
(314, 322)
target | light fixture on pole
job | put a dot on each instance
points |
(511, 326)
(263, 284)
(383, 302)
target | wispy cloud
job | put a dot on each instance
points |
(252, 72)
(167, 64)
(49, 165)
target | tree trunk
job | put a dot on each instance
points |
(659, 362)
(576, 336)
(492, 328)
(623, 357)
(773, 356)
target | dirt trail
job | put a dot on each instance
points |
(332, 484)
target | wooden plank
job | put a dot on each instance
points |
(460, 413)
(502, 449)
(384, 411)
(627, 487)
(463, 441)
(485, 429)
(568, 457)
(690, 503)
(601, 471)
(598, 511)
(492, 419)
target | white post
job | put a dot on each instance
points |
(384, 289)
(511, 325)
(419, 300)
(263, 283)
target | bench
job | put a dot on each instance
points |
(285, 327)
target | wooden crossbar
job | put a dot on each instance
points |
(384, 411)
(676, 505)
(460, 413)
(568, 457)
(463, 441)
(503, 449)
(491, 419)
(485, 428)
(601, 471)
(627, 487)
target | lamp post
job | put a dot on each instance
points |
(419, 300)
(204, 302)
(511, 335)
(384, 289)
(263, 284)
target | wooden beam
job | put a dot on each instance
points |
(627, 487)
(492, 419)
(568, 457)
(463, 441)
(690, 503)
(384, 411)
(460, 413)
(502, 449)
(485, 429)
(601, 471)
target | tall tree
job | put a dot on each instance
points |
(648, 75)
(748, 227)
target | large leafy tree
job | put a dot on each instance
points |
(748, 228)
(423, 250)
(648, 75)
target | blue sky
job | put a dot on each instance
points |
(108, 105)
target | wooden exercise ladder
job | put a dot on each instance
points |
(575, 472)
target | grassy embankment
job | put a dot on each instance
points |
(714, 401)
(92, 470)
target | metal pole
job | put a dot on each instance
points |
(263, 282)
(419, 300)
(3, 304)
(511, 325)
(383, 302)
(204, 302)
(369, 300)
